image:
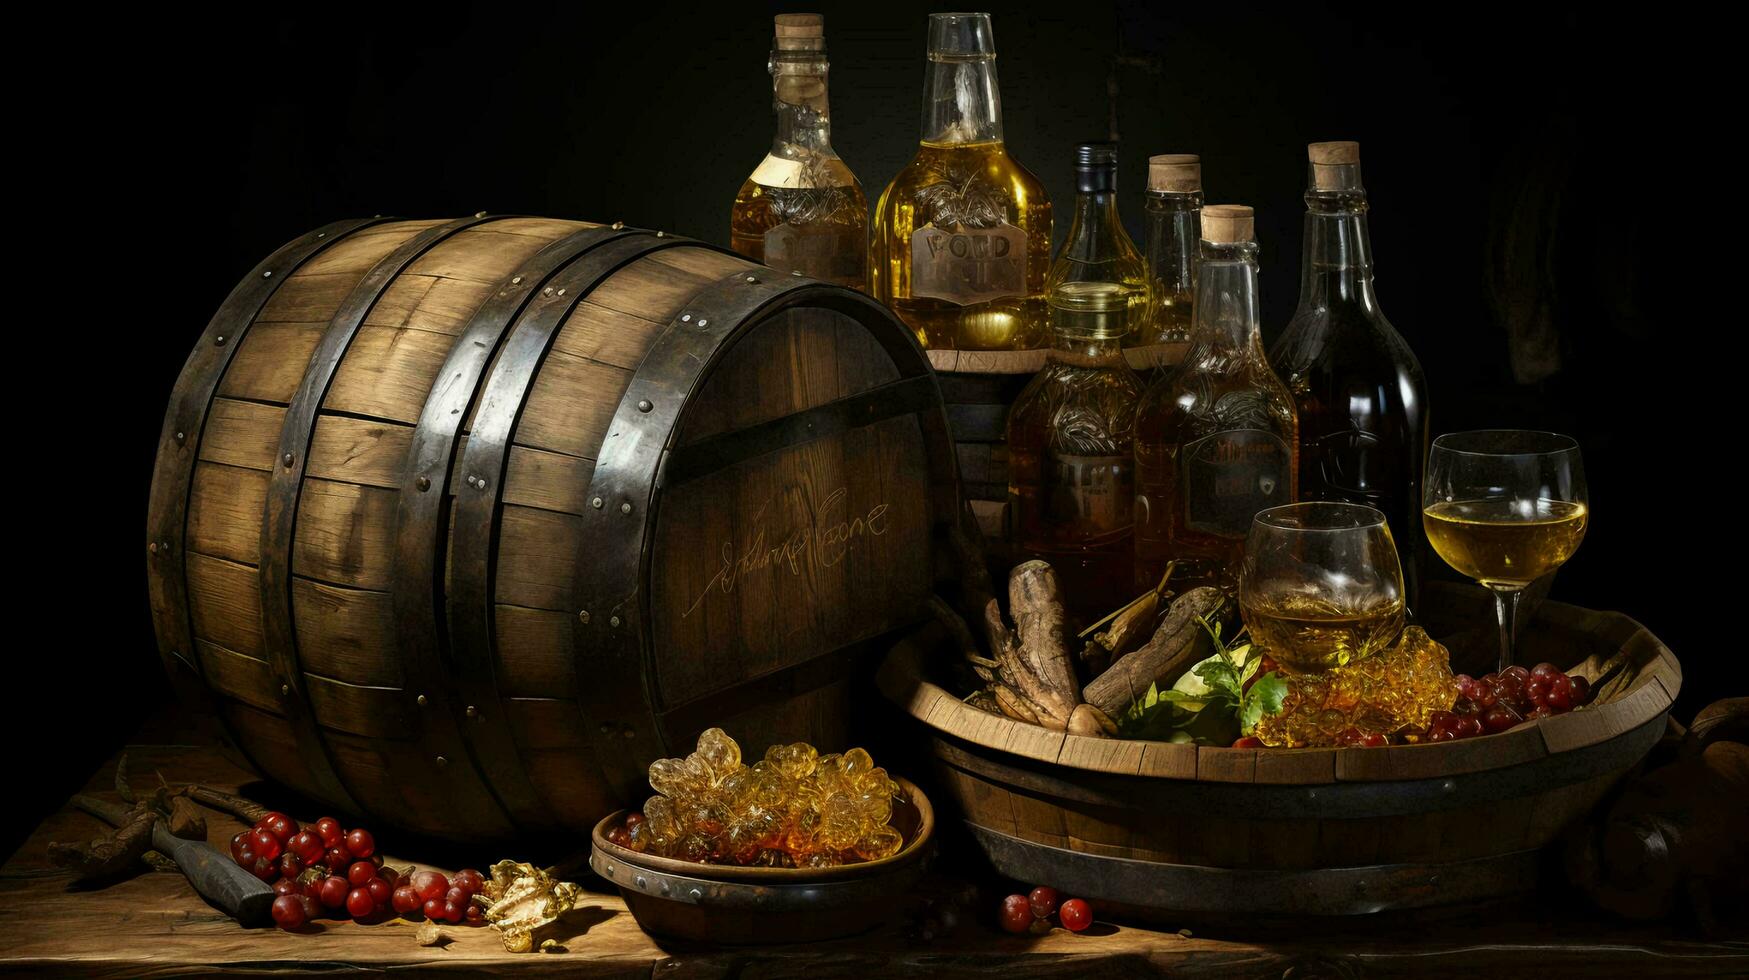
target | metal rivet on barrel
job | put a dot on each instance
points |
(441, 761)
(219, 341)
(610, 871)
(625, 508)
(659, 235)
(644, 405)
(423, 483)
(607, 728)
(629, 734)
(287, 459)
(1433, 879)
(696, 893)
(181, 437)
(595, 503)
(420, 701)
(472, 712)
(617, 225)
(664, 887)
(796, 272)
(752, 278)
(641, 881)
(583, 615)
(479, 214)
(515, 280)
(152, 547)
(686, 318)
(703, 322)
(561, 292)
(164, 546)
(613, 621)
(547, 291)
(268, 274)
(285, 689)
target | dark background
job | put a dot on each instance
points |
(1556, 150)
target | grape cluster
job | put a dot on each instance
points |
(794, 808)
(1032, 912)
(1495, 702)
(322, 869)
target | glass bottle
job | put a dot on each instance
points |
(1215, 439)
(1174, 210)
(1070, 457)
(802, 210)
(1357, 387)
(962, 237)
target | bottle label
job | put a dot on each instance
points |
(1230, 476)
(966, 265)
(830, 252)
(1092, 495)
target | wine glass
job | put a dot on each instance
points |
(1321, 585)
(1505, 507)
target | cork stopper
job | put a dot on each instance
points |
(1225, 224)
(1330, 163)
(801, 32)
(1175, 173)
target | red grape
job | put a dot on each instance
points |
(1374, 740)
(475, 915)
(239, 844)
(380, 892)
(405, 900)
(1441, 735)
(469, 880)
(333, 892)
(360, 872)
(307, 846)
(337, 859)
(1581, 689)
(264, 843)
(279, 825)
(312, 908)
(1075, 915)
(433, 909)
(619, 836)
(263, 868)
(1545, 671)
(1044, 901)
(1518, 674)
(360, 842)
(1560, 696)
(1016, 913)
(456, 896)
(632, 820)
(1442, 719)
(290, 866)
(285, 886)
(1499, 718)
(453, 912)
(288, 912)
(359, 904)
(430, 885)
(329, 830)
(1248, 742)
(1485, 697)
(1469, 726)
(1535, 691)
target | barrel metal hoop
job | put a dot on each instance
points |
(485, 461)
(421, 530)
(278, 525)
(612, 646)
(1322, 891)
(179, 449)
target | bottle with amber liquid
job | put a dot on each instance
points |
(1070, 453)
(1357, 387)
(802, 210)
(962, 237)
(1215, 439)
(1174, 217)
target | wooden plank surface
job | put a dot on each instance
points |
(152, 924)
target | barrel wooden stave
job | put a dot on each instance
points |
(343, 556)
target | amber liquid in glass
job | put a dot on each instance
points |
(1504, 542)
(962, 246)
(1306, 633)
(819, 230)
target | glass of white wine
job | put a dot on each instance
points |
(1321, 586)
(1505, 507)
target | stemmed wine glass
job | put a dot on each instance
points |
(1505, 507)
(1321, 585)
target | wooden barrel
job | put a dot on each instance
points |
(978, 387)
(1165, 829)
(458, 525)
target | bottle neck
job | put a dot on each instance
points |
(1095, 221)
(1174, 228)
(799, 103)
(961, 103)
(1336, 260)
(1226, 300)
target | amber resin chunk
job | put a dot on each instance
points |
(1398, 688)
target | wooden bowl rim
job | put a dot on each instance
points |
(1652, 690)
(1029, 361)
(913, 849)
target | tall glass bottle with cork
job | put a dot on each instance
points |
(962, 236)
(1357, 387)
(1174, 227)
(1070, 454)
(802, 210)
(1215, 441)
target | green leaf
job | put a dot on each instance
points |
(1264, 698)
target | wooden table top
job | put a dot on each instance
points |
(154, 924)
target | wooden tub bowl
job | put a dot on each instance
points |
(727, 904)
(1155, 826)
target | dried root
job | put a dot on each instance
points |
(1176, 644)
